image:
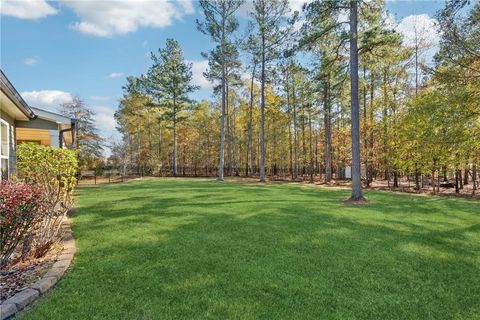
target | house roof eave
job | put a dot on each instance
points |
(10, 91)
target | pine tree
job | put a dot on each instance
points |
(168, 82)
(220, 23)
(273, 28)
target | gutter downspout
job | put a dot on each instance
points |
(60, 136)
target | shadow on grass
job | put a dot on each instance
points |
(190, 250)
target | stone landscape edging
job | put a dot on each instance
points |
(24, 298)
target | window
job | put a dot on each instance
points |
(4, 149)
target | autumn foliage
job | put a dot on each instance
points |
(19, 204)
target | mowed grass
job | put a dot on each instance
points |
(199, 249)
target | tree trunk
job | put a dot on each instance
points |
(229, 131)
(310, 146)
(457, 178)
(274, 153)
(417, 181)
(438, 180)
(290, 145)
(295, 134)
(365, 132)
(304, 144)
(207, 166)
(465, 175)
(160, 141)
(460, 180)
(262, 110)
(250, 123)
(385, 127)
(433, 175)
(174, 164)
(234, 144)
(416, 62)
(317, 166)
(357, 193)
(328, 133)
(195, 167)
(370, 169)
(474, 178)
(222, 131)
(184, 160)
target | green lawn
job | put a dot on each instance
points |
(199, 249)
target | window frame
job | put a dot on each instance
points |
(7, 157)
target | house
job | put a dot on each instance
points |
(21, 123)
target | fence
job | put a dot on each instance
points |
(92, 177)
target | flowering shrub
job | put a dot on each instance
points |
(54, 171)
(18, 206)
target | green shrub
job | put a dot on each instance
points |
(54, 171)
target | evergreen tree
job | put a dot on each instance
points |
(220, 23)
(168, 82)
(273, 29)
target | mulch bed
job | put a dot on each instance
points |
(22, 274)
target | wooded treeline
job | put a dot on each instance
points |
(286, 98)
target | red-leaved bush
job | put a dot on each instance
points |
(19, 203)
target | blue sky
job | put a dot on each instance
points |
(51, 50)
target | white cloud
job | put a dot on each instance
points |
(423, 30)
(297, 5)
(105, 122)
(30, 61)
(27, 9)
(421, 27)
(198, 68)
(104, 119)
(389, 20)
(107, 18)
(246, 8)
(343, 16)
(115, 75)
(47, 99)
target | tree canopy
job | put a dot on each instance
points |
(329, 93)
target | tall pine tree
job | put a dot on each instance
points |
(168, 82)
